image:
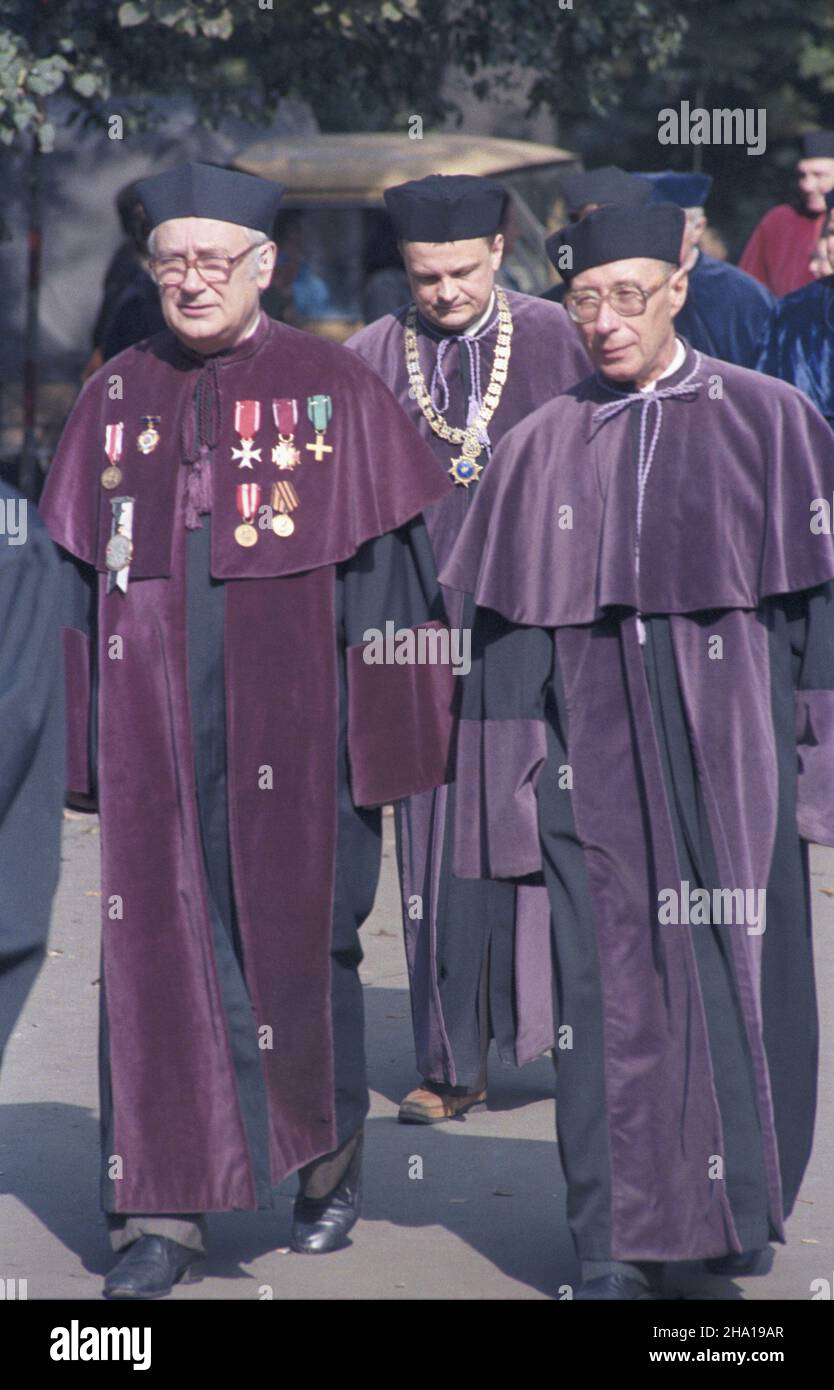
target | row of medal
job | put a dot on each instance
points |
(285, 455)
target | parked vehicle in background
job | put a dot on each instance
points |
(338, 265)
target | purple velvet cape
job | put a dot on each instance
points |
(547, 357)
(178, 1126)
(726, 524)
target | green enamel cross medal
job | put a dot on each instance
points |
(319, 413)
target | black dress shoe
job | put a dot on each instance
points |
(322, 1224)
(732, 1266)
(614, 1286)
(150, 1267)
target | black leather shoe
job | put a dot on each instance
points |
(732, 1266)
(150, 1267)
(614, 1286)
(322, 1224)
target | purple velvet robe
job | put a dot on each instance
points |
(725, 528)
(547, 357)
(177, 1118)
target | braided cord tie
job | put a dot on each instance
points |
(645, 455)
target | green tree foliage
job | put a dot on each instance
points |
(366, 63)
(231, 56)
(773, 55)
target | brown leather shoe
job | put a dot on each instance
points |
(427, 1106)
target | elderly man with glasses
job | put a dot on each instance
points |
(649, 726)
(242, 501)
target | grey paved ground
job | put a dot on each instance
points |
(484, 1221)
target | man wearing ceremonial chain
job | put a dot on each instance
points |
(467, 360)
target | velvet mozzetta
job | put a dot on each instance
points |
(352, 495)
(727, 530)
(177, 1122)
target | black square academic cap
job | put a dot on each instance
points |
(207, 190)
(818, 144)
(619, 234)
(446, 207)
(606, 185)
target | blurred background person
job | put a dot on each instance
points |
(779, 251)
(725, 310)
(798, 340)
(589, 189)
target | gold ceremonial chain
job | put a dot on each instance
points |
(465, 469)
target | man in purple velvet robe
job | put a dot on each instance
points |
(467, 360)
(649, 724)
(243, 500)
(726, 309)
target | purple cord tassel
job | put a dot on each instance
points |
(198, 490)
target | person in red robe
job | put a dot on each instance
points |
(779, 251)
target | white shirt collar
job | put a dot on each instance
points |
(482, 321)
(676, 362)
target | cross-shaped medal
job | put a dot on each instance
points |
(319, 448)
(246, 453)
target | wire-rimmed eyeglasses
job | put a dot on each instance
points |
(214, 269)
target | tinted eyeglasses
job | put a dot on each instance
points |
(214, 269)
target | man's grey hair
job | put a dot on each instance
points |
(256, 238)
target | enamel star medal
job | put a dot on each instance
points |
(248, 500)
(284, 501)
(149, 435)
(285, 415)
(247, 424)
(113, 437)
(319, 413)
(466, 469)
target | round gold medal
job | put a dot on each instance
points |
(111, 477)
(283, 525)
(246, 534)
